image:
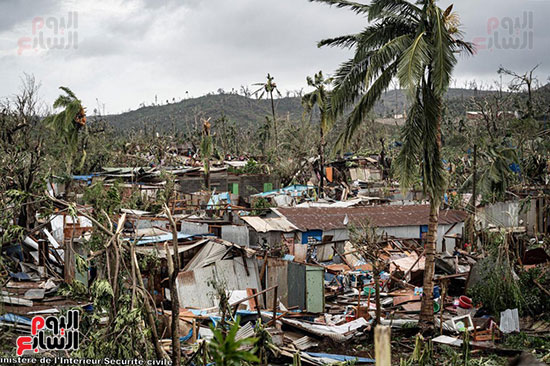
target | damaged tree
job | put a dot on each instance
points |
(67, 125)
(320, 97)
(370, 245)
(207, 148)
(118, 290)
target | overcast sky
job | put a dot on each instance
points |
(128, 51)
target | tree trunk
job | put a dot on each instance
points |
(207, 174)
(427, 308)
(377, 294)
(149, 310)
(321, 162)
(274, 121)
(173, 269)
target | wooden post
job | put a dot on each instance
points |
(173, 271)
(382, 345)
(442, 304)
(274, 306)
(43, 255)
(69, 261)
(360, 288)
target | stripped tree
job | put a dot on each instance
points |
(320, 97)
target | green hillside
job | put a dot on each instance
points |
(251, 112)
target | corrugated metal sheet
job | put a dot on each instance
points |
(297, 286)
(264, 225)
(325, 218)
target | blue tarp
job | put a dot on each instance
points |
(12, 318)
(86, 178)
(21, 276)
(341, 357)
(216, 199)
(295, 190)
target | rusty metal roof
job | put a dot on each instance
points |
(329, 218)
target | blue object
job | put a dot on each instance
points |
(85, 178)
(515, 168)
(296, 190)
(315, 234)
(217, 198)
(16, 319)
(188, 336)
(423, 230)
(341, 357)
(21, 276)
(437, 292)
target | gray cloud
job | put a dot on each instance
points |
(131, 50)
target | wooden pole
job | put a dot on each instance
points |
(382, 345)
(442, 304)
(274, 306)
(173, 271)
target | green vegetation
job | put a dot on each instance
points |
(497, 289)
(225, 350)
(67, 124)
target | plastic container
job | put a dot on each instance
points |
(465, 302)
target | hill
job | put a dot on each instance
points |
(250, 112)
(246, 112)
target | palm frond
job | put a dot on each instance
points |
(402, 8)
(69, 92)
(408, 161)
(356, 7)
(444, 59)
(377, 35)
(347, 41)
(413, 63)
(349, 84)
(367, 101)
(464, 47)
(386, 54)
(434, 177)
(62, 101)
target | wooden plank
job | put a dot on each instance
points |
(404, 299)
(413, 307)
(8, 298)
(382, 345)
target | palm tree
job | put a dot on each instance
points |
(415, 42)
(320, 97)
(268, 88)
(68, 123)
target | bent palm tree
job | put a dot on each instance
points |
(415, 42)
(68, 123)
(320, 97)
